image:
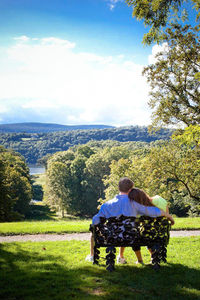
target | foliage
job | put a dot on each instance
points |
(190, 136)
(79, 178)
(37, 192)
(74, 179)
(171, 171)
(15, 186)
(157, 14)
(38, 183)
(175, 93)
(38, 212)
(34, 146)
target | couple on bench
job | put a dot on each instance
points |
(130, 202)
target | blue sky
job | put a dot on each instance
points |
(100, 26)
(72, 62)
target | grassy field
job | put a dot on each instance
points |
(74, 225)
(36, 227)
(186, 223)
(57, 270)
(39, 179)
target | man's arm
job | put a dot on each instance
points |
(150, 211)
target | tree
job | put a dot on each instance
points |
(175, 93)
(157, 14)
(15, 186)
(57, 193)
(190, 136)
(75, 179)
(170, 170)
(6, 203)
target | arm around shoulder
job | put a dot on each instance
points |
(168, 216)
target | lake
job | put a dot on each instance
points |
(34, 169)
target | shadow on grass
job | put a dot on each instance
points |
(45, 213)
(40, 212)
(30, 275)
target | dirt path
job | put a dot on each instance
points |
(75, 236)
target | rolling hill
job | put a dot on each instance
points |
(34, 127)
(34, 146)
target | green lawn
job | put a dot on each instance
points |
(76, 225)
(36, 227)
(57, 270)
(39, 179)
(186, 223)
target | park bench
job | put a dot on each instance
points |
(131, 232)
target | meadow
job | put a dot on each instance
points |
(58, 270)
(72, 224)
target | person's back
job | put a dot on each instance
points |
(115, 207)
(121, 205)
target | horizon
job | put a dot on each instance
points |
(70, 125)
(73, 63)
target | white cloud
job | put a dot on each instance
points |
(155, 50)
(112, 3)
(22, 38)
(47, 80)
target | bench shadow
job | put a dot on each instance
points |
(29, 277)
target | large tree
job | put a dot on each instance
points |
(171, 171)
(15, 186)
(175, 93)
(74, 180)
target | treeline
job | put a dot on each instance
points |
(36, 127)
(79, 179)
(15, 186)
(34, 146)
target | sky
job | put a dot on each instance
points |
(73, 62)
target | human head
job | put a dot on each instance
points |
(140, 196)
(125, 185)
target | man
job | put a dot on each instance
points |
(121, 205)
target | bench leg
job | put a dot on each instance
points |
(163, 251)
(110, 258)
(156, 256)
(96, 255)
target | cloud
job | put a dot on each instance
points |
(112, 3)
(48, 80)
(155, 50)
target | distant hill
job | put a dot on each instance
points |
(34, 146)
(34, 127)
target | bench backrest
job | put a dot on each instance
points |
(128, 231)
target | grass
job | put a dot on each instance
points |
(36, 227)
(39, 179)
(57, 270)
(186, 223)
(69, 225)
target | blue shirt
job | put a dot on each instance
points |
(122, 205)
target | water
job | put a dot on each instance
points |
(36, 169)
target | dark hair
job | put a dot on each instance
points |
(140, 196)
(125, 184)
